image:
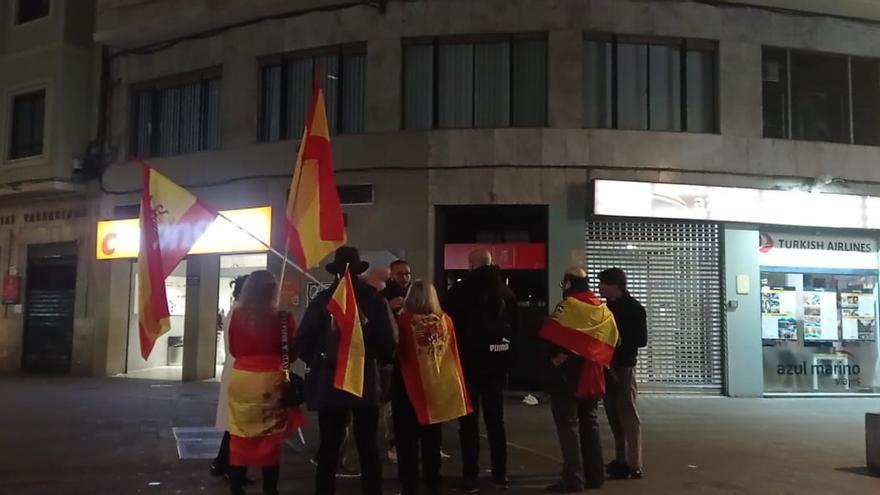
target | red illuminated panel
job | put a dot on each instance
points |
(508, 256)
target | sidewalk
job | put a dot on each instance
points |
(114, 436)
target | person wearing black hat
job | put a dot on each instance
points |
(316, 344)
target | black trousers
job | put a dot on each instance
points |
(332, 422)
(270, 480)
(221, 462)
(486, 391)
(410, 435)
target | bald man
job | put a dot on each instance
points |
(576, 418)
(484, 312)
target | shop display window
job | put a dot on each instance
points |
(819, 331)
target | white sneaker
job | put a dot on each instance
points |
(392, 455)
(444, 455)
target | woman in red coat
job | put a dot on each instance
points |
(257, 422)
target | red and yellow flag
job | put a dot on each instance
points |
(171, 221)
(314, 214)
(431, 367)
(350, 355)
(584, 326)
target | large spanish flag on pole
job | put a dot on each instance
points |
(584, 326)
(351, 353)
(314, 214)
(431, 368)
(171, 221)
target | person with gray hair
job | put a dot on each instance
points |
(484, 311)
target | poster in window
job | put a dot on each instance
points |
(778, 308)
(820, 315)
(858, 314)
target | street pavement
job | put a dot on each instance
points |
(114, 436)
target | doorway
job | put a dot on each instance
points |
(50, 299)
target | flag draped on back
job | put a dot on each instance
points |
(351, 354)
(584, 326)
(431, 368)
(171, 221)
(314, 214)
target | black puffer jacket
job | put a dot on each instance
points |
(317, 346)
(476, 303)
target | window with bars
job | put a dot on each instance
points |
(650, 83)
(816, 96)
(491, 81)
(177, 115)
(287, 84)
(28, 120)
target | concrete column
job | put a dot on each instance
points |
(745, 362)
(564, 59)
(567, 223)
(740, 92)
(200, 327)
(113, 311)
(384, 87)
(240, 94)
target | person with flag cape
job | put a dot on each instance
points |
(427, 387)
(259, 337)
(345, 335)
(582, 336)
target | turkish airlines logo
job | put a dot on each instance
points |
(767, 242)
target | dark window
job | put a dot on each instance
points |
(287, 87)
(774, 74)
(28, 117)
(177, 116)
(31, 10)
(357, 194)
(656, 84)
(487, 82)
(866, 100)
(821, 97)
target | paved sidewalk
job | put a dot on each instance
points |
(114, 436)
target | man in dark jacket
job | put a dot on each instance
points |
(398, 285)
(483, 310)
(316, 344)
(622, 392)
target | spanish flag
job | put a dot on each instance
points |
(584, 326)
(171, 221)
(431, 368)
(314, 214)
(351, 352)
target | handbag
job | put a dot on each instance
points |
(292, 394)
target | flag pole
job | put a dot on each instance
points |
(287, 261)
(283, 269)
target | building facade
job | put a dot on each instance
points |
(47, 210)
(602, 132)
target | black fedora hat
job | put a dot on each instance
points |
(347, 255)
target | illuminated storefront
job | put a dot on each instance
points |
(237, 253)
(765, 292)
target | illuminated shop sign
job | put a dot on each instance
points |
(119, 239)
(735, 204)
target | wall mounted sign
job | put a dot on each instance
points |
(735, 204)
(508, 256)
(778, 249)
(120, 239)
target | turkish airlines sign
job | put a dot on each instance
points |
(120, 239)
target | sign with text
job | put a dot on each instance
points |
(120, 239)
(817, 251)
(735, 204)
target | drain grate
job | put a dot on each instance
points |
(197, 442)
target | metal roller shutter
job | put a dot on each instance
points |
(674, 269)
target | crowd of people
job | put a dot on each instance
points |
(426, 364)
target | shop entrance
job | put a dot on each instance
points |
(166, 360)
(49, 309)
(231, 267)
(517, 236)
(674, 269)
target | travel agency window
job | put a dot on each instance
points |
(819, 313)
